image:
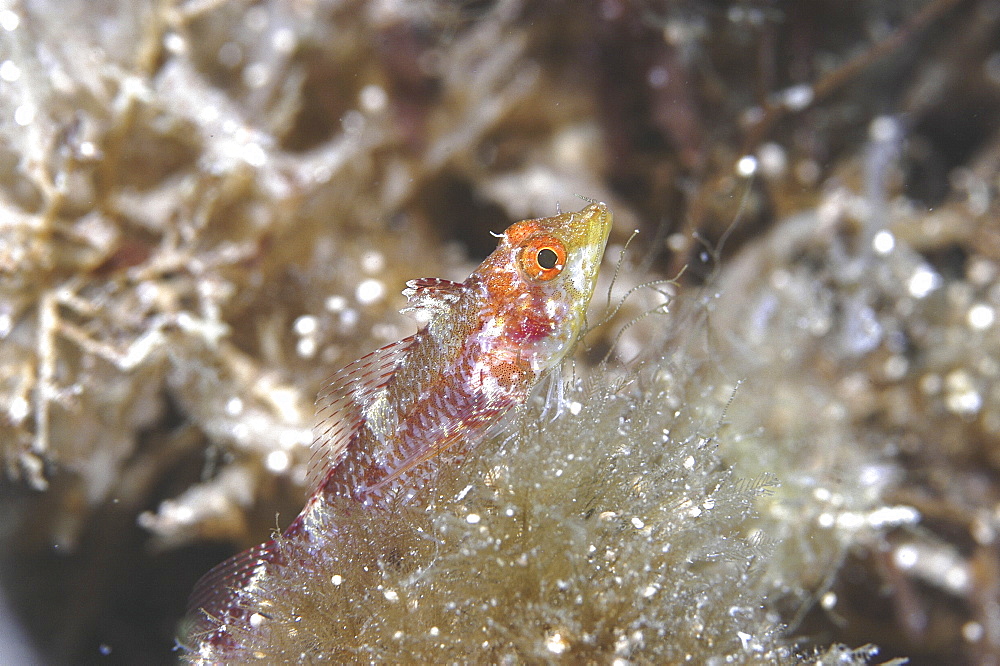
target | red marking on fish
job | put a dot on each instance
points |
(388, 422)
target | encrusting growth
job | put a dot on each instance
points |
(387, 423)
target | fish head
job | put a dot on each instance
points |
(539, 282)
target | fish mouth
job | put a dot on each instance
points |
(588, 234)
(597, 219)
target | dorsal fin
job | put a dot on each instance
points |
(216, 594)
(431, 294)
(340, 405)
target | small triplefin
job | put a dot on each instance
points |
(388, 422)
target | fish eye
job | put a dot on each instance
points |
(547, 258)
(542, 258)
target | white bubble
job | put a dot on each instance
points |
(277, 461)
(369, 291)
(884, 242)
(234, 406)
(335, 303)
(373, 98)
(746, 166)
(18, 409)
(305, 325)
(9, 20)
(923, 281)
(9, 71)
(905, 557)
(556, 643)
(253, 154)
(797, 98)
(981, 316)
(25, 114)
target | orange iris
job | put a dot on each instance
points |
(542, 258)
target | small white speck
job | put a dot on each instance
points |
(797, 98)
(352, 122)
(981, 316)
(9, 71)
(372, 262)
(234, 406)
(689, 462)
(335, 303)
(398, 635)
(391, 595)
(555, 643)
(575, 408)
(884, 242)
(349, 319)
(253, 154)
(435, 631)
(174, 43)
(957, 579)
(773, 160)
(256, 620)
(369, 291)
(658, 77)
(744, 639)
(88, 149)
(277, 461)
(283, 40)
(822, 494)
(306, 347)
(18, 409)
(746, 166)
(337, 579)
(828, 601)
(305, 325)
(825, 520)
(24, 115)
(884, 129)
(905, 557)
(972, 632)
(649, 591)
(637, 523)
(923, 281)
(255, 75)
(694, 512)
(9, 20)
(964, 402)
(373, 98)
(472, 518)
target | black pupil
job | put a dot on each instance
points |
(547, 258)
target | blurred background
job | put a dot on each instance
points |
(207, 206)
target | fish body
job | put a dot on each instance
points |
(388, 422)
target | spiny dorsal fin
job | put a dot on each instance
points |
(432, 295)
(216, 594)
(340, 405)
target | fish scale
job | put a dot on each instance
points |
(389, 422)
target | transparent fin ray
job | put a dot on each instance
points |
(340, 405)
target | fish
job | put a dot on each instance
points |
(387, 423)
